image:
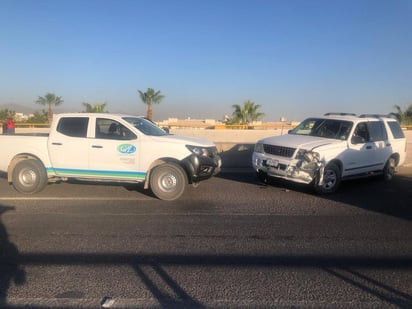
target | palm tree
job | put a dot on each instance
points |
(96, 108)
(49, 100)
(247, 114)
(404, 117)
(149, 98)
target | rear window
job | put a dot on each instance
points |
(396, 129)
(73, 126)
(377, 131)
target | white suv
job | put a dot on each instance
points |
(322, 151)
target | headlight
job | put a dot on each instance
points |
(300, 154)
(198, 150)
(259, 148)
(307, 155)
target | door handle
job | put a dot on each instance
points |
(57, 144)
(97, 146)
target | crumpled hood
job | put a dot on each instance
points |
(299, 141)
(185, 140)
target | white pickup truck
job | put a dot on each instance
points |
(322, 151)
(111, 148)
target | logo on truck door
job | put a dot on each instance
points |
(126, 148)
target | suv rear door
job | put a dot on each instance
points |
(380, 143)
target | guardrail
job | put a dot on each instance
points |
(31, 125)
(195, 125)
(229, 126)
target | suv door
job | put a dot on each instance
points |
(357, 156)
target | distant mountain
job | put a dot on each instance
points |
(22, 108)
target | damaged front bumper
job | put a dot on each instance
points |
(201, 168)
(305, 168)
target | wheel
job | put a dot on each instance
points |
(389, 169)
(29, 176)
(331, 179)
(168, 181)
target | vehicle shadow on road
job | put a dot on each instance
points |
(10, 270)
(138, 187)
(392, 198)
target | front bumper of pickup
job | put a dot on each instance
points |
(295, 170)
(201, 167)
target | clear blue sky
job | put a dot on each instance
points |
(294, 58)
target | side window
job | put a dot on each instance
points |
(361, 134)
(377, 131)
(396, 129)
(111, 129)
(73, 126)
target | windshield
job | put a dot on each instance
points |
(145, 126)
(328, 128)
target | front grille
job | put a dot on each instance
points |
(279, 150)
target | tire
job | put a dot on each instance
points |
(29, 176)
(389, 169)
(168, 181)
(331, 180)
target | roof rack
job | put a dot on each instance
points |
(391, 115)
(340, 114)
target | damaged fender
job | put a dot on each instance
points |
(311, 166)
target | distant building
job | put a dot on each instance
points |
(195, 123)
(20, 117)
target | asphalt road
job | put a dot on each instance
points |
(229, 243)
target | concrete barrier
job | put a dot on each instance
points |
(234, 146)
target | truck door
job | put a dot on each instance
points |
(113, 152)
(68, 146)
